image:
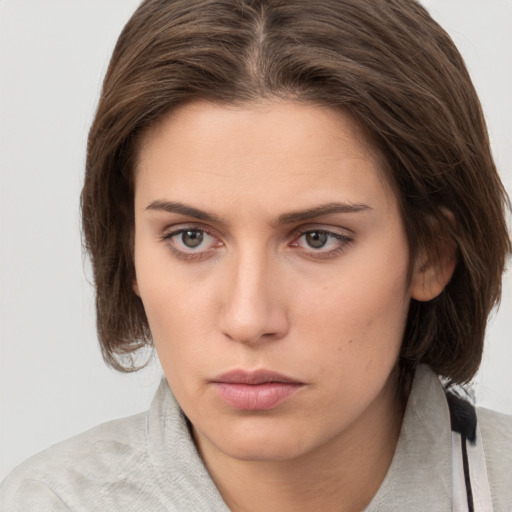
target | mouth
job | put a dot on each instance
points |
(258, 390)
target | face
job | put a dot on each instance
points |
(272, 263)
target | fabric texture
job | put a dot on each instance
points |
(149, 462)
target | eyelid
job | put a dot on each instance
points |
(170, 232)
(343, 235)
(174, 229)
(334, 230)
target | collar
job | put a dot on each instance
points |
(182, 476)
(420, 475)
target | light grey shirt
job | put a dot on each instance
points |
(149, 462)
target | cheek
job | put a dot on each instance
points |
(165, 292)
(361, 313)
(156, 288)
(177, 311)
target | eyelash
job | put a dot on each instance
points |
(193, 255)
(343, 238)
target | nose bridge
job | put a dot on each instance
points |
(252, 307)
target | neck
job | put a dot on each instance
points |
(343, 474)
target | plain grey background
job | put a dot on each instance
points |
(53, 54)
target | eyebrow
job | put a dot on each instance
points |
(183, 209)
(286, 218)
(319, 211)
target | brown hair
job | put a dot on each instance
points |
(384, 61)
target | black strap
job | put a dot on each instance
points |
(463, 421)
(462, 417)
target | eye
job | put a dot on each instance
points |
(192, 238)
(191, 242)
(320, 242)
(316, 239)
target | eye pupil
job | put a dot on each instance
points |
(191, 238)
(316, 239)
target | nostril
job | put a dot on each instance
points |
(269, 326)
(251, 308)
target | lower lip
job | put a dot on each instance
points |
(256, 397)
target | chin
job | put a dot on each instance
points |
(265, 450)
(261, 441)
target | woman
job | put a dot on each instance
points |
(295, 202)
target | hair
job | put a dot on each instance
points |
(387, 64)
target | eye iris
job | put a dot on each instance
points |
(316, 239)
(192, 239)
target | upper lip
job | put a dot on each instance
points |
(254, 377)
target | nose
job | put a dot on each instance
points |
(253, 311)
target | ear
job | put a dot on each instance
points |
(434, 269)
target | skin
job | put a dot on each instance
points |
(254, 293)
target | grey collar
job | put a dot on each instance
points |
(420, 475)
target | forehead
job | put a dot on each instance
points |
(202, 121)
(299, 149)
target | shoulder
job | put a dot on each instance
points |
(68, 474)
(496, 429)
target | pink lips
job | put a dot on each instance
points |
(255, 391)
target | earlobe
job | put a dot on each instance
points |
(434, 272)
